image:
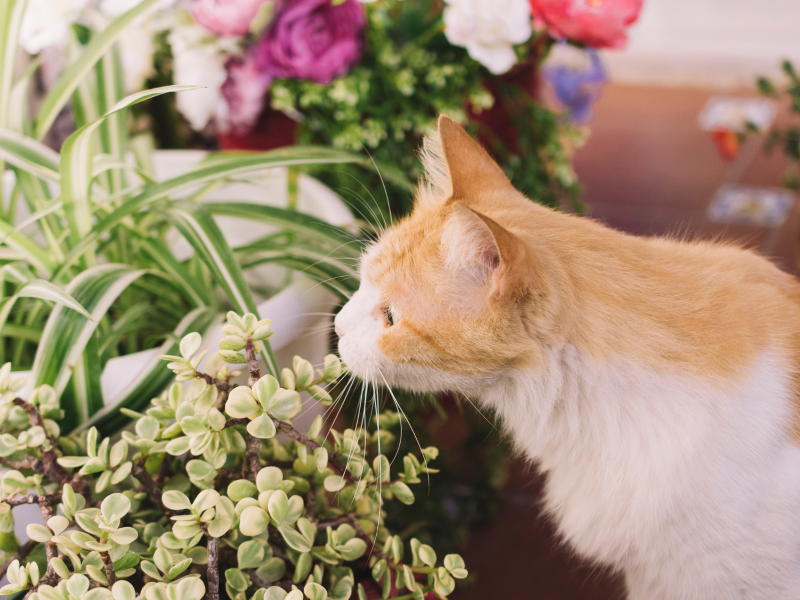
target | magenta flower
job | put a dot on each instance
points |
(596, 23)
(313, 39)
(244, 91)
(226, 17)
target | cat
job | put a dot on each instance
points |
(655, 381)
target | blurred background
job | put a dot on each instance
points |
(656, 117)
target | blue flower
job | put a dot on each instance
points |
(576, 87)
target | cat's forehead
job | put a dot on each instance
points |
(404, 250)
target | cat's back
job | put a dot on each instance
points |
(709, 309)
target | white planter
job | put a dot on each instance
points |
(300, 312)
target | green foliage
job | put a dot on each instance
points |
(408, 75)
(194, 494)
(91, 273)
(788, 137)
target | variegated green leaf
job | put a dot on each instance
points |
(201, 231)
(76, 166)
(67, 332)
(238, 165)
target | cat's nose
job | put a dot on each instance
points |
(338, 330)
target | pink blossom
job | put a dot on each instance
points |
(244, 91)
(597, 23)
(313, 39)
(226, 17)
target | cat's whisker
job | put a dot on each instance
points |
(410, 426)
(377, 221)
(383, 183)
(480, 412)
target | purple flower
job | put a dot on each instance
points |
(577, 86)
(244, 91)
(226, 17)
(313, 39)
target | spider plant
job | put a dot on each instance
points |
(87, 271)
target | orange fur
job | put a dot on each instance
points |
(700, 308)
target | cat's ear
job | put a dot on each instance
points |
(472, 171)
(483, 256)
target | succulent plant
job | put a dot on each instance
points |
(204, 487)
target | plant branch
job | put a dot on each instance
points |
(252, 362)
(153, 491)
(51, 499)
(213, 570)
(333, 463)
(29, 462)
(50, 467)
(50, 548)
(109, 564)
(252, 465)
(222, 386)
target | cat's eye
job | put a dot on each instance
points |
(389, 316)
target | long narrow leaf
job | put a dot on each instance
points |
(28, 154)
(242, 164)
(67, 332)
(11, 12)
(60, 93)
(76, 165)
(201, 231)
(37, 257)
(195, 292)
(290, 220)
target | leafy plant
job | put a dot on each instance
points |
(788, 137)
(200, 491)
(95, 235)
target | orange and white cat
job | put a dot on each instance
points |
(654, 381)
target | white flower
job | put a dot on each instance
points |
(46, 23)
(488, 29)
(136, 41)
(199, 59)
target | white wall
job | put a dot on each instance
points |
(708, 43)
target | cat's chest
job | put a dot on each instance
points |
(641, 462)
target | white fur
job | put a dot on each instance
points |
(692, 490)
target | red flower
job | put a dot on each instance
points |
(596, 23)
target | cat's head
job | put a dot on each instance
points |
(457, 292)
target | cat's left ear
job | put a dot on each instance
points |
(472, 171)
(485, 257)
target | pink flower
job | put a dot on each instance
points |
(244, 91)
(226, 17)
(597, 23)
(313, 39)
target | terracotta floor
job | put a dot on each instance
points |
(647, 170)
